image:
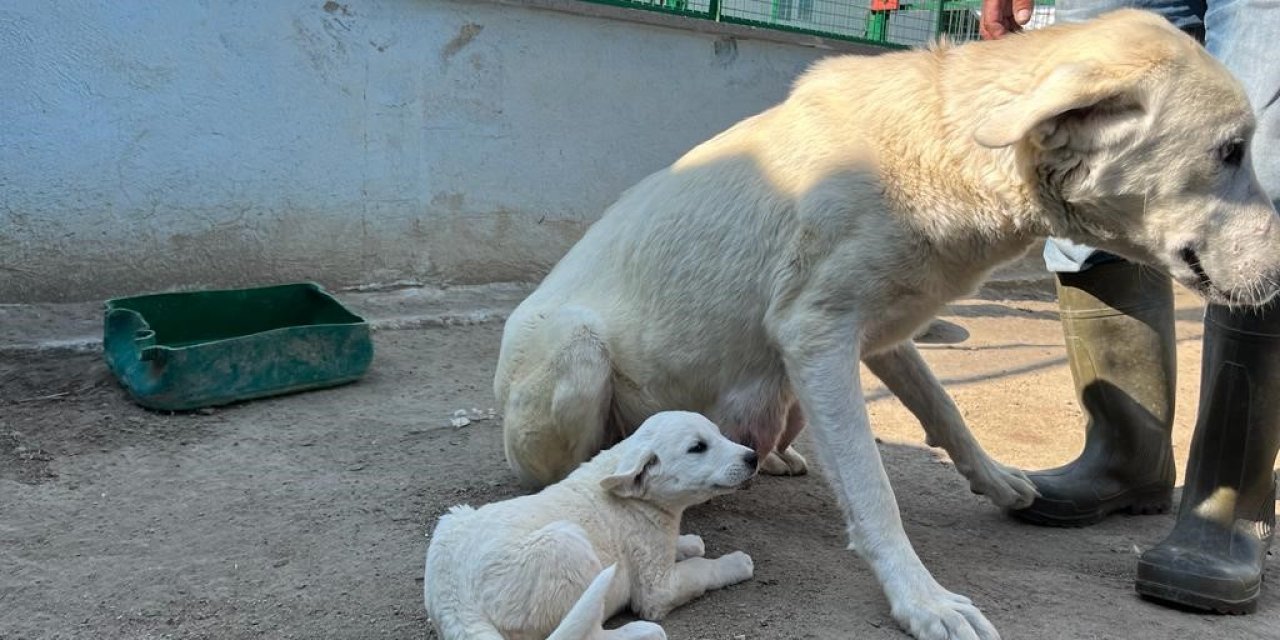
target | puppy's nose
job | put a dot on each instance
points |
(751, 458)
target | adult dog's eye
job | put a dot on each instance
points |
(699, 447)
(1232, 153)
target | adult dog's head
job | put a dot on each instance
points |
(1141, 140)
(678, 459)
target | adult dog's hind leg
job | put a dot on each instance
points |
(907, 375)
(784, 460)
(558, 402)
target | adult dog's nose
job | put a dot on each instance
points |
(751, 458)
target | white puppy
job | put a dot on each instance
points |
(557, 564)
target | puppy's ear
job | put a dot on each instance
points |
(632, 474)
(1068, 88)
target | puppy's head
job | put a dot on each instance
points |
(679, 459)
(1143, 140)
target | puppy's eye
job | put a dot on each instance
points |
(1232, 153)
(698, 447)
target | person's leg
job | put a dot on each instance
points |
(1213, 557)
(1187, 15)
(1117, 318)
(1241, 34)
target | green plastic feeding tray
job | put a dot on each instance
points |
(189, 350)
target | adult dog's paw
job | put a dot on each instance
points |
(689, 546)
(784, 463)
(735, 567)
(933, 613)
(1006, 487)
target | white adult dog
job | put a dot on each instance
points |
(558, 563)
(747, 280)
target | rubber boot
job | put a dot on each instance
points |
(1213, 558)
(1118, 321)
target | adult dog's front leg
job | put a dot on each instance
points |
(908, 376)
(689, 579)
(822, 365)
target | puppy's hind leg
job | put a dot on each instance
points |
(690, 546)
(558, 405)
(564, 545)
(553, 585)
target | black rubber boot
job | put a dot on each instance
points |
(1118, 321)
(1213, 558)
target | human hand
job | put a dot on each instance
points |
(1002, 17)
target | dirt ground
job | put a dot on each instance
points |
(305, 516)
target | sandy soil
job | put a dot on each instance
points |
(305, 516)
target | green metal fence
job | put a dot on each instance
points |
(889, 23)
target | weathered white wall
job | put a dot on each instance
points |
(149, 145)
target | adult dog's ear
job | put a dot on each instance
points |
(1068, 88)
(631, 477)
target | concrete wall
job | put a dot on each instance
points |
(151, 145)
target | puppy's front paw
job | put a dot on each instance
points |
(736, 567)
(689, 546)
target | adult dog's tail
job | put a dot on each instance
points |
(586, 618)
